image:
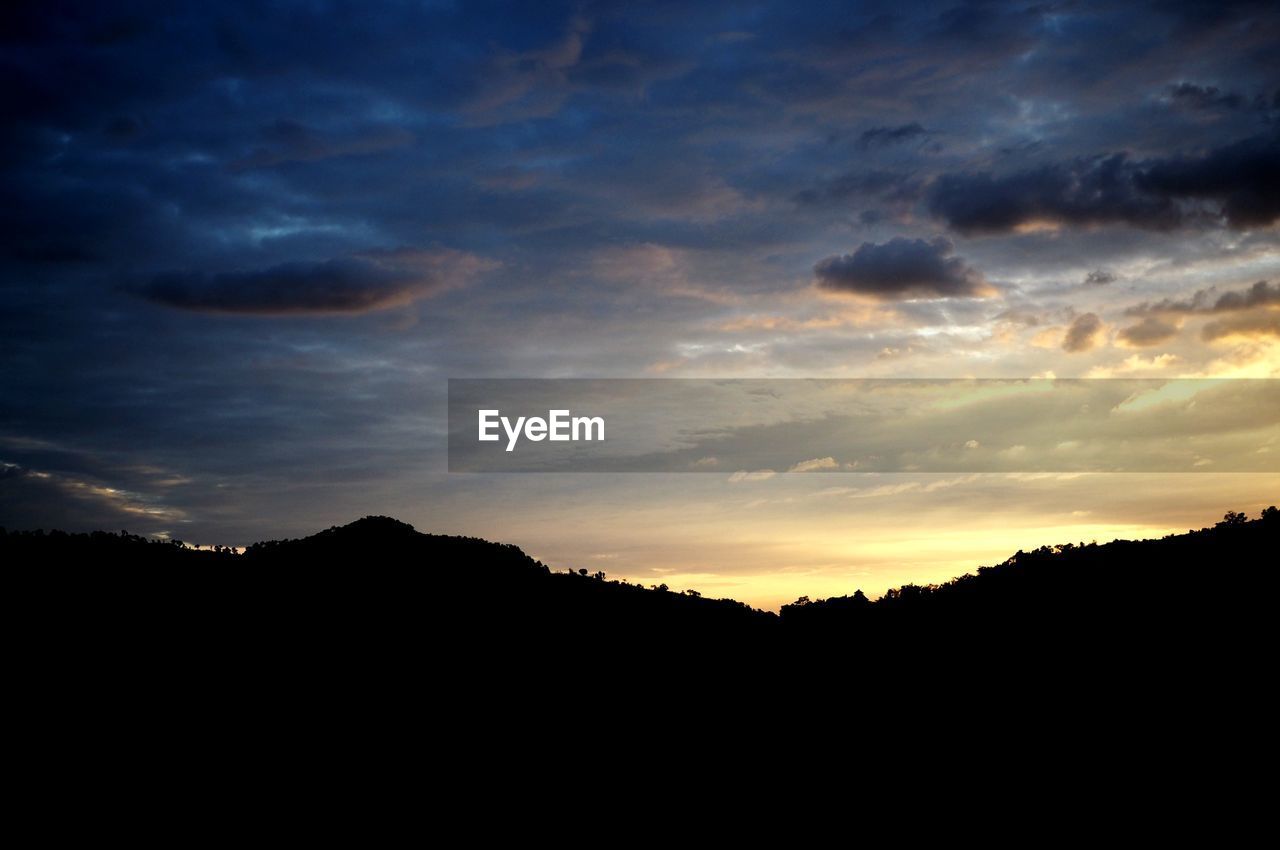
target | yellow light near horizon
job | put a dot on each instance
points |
(838, 568)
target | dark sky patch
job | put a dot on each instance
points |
(1191, 96)
(289, 141)
(881, 137)
(886, 186)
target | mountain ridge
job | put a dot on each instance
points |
(374, 535)
(427, 617)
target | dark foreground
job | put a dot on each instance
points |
(366, 654)
(377, 619)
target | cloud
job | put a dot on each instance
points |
(758, 475)
(1150, 331)
(1242, 178)
(1237, 184)
(531, 83)
(1192, 96)
(28, 496)
(1258, 324)
(880, 137)
(359, 284)
(1261, 294)
(1084, 192)
(1134, 365)
(1099, 277)
(818, 464)
(1082, 334)
(901, 269)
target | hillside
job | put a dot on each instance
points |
(380, 583)
(1180, 576)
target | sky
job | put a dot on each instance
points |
(244, 247)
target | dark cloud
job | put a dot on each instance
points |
(879, 137)
(1258, 295)
(1250, 312)
(1191, 96)
(900, 269)
(1200, 302)
(1084, 192)
(1261, 294)
(29, 497)
(1082, 334)
(331, 287)
(1238, 184)
(1099, 277)
(1257, 324)
(1243, 179)
(1150, 331)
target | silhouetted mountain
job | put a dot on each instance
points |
(378, 599)
(1180, 578)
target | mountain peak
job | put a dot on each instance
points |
(375, 525)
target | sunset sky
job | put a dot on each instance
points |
(244, 248)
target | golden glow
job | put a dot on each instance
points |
(770, 541)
